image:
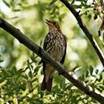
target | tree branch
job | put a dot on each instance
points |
(85, 30)
(40, 52)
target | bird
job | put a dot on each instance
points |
(55, 45)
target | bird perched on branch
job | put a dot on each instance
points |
(55, 46)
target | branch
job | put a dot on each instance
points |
(85, 30)
(40, 52)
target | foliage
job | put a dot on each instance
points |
(21, 76)
(23, 86)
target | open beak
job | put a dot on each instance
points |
(47, 21)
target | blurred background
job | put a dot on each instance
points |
(21, 65)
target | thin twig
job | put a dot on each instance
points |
(85, 30)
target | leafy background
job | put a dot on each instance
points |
(20, 71)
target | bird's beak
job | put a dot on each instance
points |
(47, 21)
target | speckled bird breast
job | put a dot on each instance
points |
(55, 45)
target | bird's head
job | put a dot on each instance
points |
(53, 24)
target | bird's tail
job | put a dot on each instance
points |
(47, 83)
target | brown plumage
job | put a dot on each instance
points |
(55, 46)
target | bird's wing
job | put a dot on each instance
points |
(65, 45)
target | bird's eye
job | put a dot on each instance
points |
(55, 23)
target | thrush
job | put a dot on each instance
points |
(55, 46)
